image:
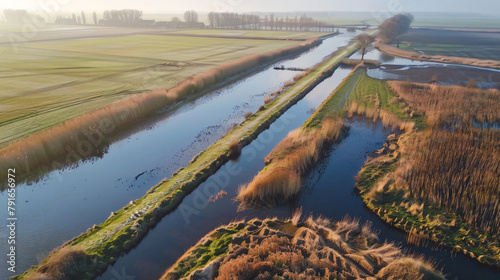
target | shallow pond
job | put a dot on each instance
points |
(402, 69)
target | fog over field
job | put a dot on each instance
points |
(459, 6)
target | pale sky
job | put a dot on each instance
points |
(165, 6)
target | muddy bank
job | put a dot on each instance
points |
(440, 74)
(87, 136)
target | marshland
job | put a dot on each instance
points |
(170, 152)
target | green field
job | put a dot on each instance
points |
(43, 84)
(253, 33)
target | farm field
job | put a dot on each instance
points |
(44, 84)
(467, 44)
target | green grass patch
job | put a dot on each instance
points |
(361, 88)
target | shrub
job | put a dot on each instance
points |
(234, 149)
(472, 83)
(248, 115)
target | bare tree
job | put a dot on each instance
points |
(191, 16)
(94, 16)
(363, 42)
(84, 19)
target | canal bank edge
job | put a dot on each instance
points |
(124, 229)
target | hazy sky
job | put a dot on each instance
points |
(469, 6)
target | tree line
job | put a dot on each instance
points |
(228, 20)
(20, 16)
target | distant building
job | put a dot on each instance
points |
(179, 25)
(148, 23)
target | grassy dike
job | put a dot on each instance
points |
(101, 245)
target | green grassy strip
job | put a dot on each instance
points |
(436, 224)
(335, 102)
(124, 230)
(358, 86)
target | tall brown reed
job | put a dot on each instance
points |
(451, 105)
(456, 170)
(287, 163)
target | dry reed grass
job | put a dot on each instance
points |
(287, 163)
(456, 170)
(451, 105)
(388, 119)
(234, 149)
(268, 99)
(60, 264)
(302, 75)
(248, 115)
(315, 249)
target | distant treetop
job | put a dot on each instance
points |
(395, 26)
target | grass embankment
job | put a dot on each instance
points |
(293, 157)
(86, 135)
(437, 184)
(122, 231)
(413, 55)
(313, 249)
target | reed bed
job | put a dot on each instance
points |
(451, 105)
(458, 171)
(374, 113)
(88, 135)
(356, 62)
(287, 163)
